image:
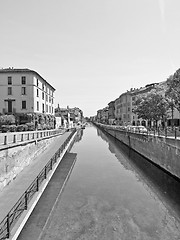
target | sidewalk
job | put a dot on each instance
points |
(11, 193)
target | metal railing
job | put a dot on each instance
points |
(11, 218)
(20, 137)
(166, 132)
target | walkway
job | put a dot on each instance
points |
(11, 193)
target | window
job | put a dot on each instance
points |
(23, 80)
(49, 109)
(9, 90)
(46, 97)
(23, 104)
(37, 93)
(43, 95)
(43, 107)
(9, 80)
(37, 82)
(43, 87)
(52, 109)
(37, 106)
(52, 100)
(46, 108)
(49, 99)
(23, 90)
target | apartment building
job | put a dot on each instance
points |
(25, 91)
(111, 112)
(123, 109)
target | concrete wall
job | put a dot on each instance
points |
(14, 160)
(165, 152)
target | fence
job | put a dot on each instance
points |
(22, 204)
(19, 137)
(167, 132)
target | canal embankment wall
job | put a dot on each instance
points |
(14, 157)
(23, 194)
(162, 151)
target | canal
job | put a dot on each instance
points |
(112, 193)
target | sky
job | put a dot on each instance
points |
(91, 51)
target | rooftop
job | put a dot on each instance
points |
(23, 70)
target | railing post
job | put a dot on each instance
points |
(8, 227)
(37, 184)
(28, 136)
(51, 164)
(45, 172)
(25, 200)
(33, 136)
(5, 140)
(14, 138)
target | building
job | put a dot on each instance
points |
(102, 115)
(123, 109)
(69, 116)
(25, 91)
(111, 112)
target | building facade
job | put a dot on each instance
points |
(111, 112)
(25, 91)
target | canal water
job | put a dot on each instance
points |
(114, 193)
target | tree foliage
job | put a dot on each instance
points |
(151, 107)
(7, 119)
(173, 90)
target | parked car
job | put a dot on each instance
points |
(141, 129)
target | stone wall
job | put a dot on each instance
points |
(14, 160)
(165, 152)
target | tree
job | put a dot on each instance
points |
(152, 107)
(173, 90)
(7, 119)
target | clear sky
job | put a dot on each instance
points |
(91, 51)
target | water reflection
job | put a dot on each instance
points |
(79, 135)
(164, 186)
